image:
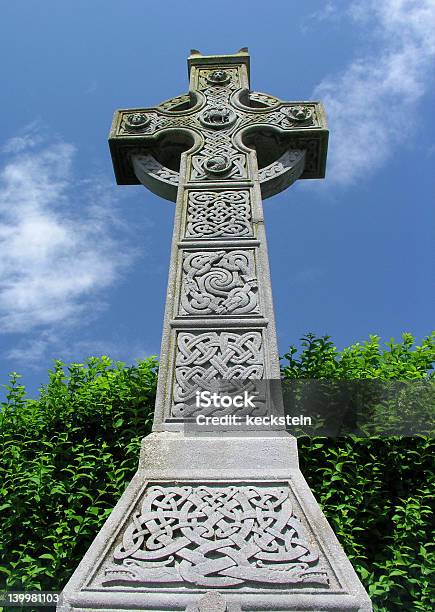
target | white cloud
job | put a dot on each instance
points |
(30, 137)
(58, 250)
(373, 103)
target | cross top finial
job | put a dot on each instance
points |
(197, 58)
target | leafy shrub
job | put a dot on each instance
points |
(67, 456)
(375, 492)
(66, 459)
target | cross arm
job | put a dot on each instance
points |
(291, 140)
(141, 131)
(273, 126)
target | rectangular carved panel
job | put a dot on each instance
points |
(216, 535)
(219, 214)
(204, 357)
(219, 283)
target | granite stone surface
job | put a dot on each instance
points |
(216, 522)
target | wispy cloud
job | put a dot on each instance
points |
(58, 247)
(29, 137)
(327, 12)
(374, 102)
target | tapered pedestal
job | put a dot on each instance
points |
(216, 524)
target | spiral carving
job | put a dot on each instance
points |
(219, 282)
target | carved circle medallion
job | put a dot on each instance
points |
(300, 114)
(218, 164)
(218, 77)
(137, 121)
(218, 117)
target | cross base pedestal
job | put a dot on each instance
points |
(216, 524)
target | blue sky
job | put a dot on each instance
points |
(83, 262)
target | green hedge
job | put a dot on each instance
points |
(67, 456)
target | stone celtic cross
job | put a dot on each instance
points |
(216, 523)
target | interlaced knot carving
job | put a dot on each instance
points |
(216, 536)
(203, 358)
(215, 214)
(218, 143)
(155, 168)
(175, 103)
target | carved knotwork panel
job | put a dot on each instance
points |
(147, 122)
(205, 357)
(223, 535)
(286, 117)
(219, 79)
(153, 167)
(218, 214)
(281, 165)
(219, 283)
(176, 104)
(219, 113)
(218, 145)
(258, 98)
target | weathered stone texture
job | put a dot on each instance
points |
(216, 523)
